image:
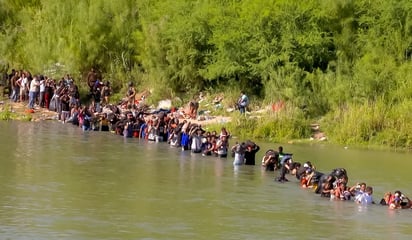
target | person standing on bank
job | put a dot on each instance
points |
(91, 79)
(130, 94)
(42, 89)
(243, 102)
(33, 90)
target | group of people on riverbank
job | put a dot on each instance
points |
(41, 91)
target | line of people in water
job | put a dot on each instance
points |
(333, 185)
(168, 126)
(135, 120)
(131, 118)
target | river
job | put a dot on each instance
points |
(57, 182)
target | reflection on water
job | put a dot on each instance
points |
(60, 183)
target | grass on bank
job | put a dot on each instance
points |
(371, 124)
(7, 113)
(261, 122)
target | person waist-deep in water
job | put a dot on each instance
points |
(250, 153)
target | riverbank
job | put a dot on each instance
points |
(19, 111)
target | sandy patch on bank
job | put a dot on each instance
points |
(211, 120)
(39, 114)
(22, 111)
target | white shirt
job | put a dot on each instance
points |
(33, 85)
(244, 100)
(196, 143)
(364, 198)
(23, 82)
(42, 86)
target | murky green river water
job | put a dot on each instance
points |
(57, 182)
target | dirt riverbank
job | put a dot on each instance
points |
(20, 111)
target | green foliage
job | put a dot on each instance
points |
(358, 123)
(397, 131)
(333, 60)
(6, 113)
(288, 123)
(26, 117)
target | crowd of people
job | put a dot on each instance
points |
(40, 90)
(333, 185)
(132, 118)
